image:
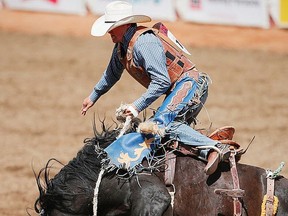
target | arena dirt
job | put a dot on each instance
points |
(49, 64)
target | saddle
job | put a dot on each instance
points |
(224, 135)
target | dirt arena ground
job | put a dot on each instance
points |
(49, 64)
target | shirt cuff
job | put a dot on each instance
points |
(93, 96)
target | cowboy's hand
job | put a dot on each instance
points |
(87, 103)
(131, 111)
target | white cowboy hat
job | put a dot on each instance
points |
(117, 13)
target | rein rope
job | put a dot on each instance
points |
(126, 126)
(126, 120)
(96, 192)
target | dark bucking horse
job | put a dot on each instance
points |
(76, 189)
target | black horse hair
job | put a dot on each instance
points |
(53, 191)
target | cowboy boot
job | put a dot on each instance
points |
(212, 163)
(214, 158)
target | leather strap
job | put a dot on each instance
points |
(236, 202)
(169, 174)
(270, 197)
(236, 193)
(170, 161)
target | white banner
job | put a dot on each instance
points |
(252, 13)
(156, 9)
(57, 6)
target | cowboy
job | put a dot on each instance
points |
(162, 70)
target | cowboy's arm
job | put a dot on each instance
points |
(149, 53)
(110, 76)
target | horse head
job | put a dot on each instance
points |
(57, 195)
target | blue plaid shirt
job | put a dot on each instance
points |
(148, 53)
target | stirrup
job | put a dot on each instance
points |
(224, 152)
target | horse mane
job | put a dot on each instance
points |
(78, 177)
(80, 172)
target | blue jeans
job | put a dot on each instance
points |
(179, 110)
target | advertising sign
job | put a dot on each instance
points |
(156, 9)
(58, 6)
(284, 13)
(279, 12)
(252, 13)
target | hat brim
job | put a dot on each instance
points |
(100, 28)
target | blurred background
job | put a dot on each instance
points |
(49, 63)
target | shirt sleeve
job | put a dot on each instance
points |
(110, 76)
(149, 54)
